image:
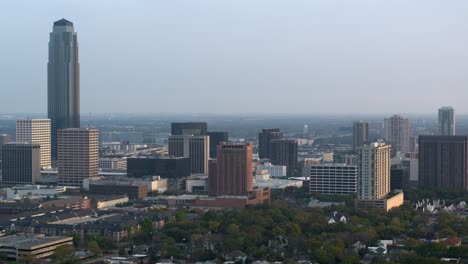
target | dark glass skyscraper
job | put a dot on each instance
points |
(63, 80)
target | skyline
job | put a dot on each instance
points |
(278, 56)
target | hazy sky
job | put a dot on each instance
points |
(243, 56)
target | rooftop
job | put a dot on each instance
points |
(63, 22)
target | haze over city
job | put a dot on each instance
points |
(243, 56)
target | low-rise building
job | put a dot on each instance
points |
(38, 247)
(275, 171)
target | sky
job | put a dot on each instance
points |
(243, 56)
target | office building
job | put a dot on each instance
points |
(78, 155)
(231, 173)
(215, 139)
(284, 152)
(170, 167)
(446, 121)
(36, 131)
(112, 164)
(373, 171)
(275, 171)
(189, 129)
(196, 148)
(332, 179)
(360, 133)
(264, 141)
(21, 163)
(443, 162)
(4, 139)
(397, 130)
(63, 80)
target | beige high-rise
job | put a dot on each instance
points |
(78, 155)
(373, 164)
(35, 131)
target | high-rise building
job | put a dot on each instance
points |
(215, 139)
(21, 163)
(333, 179)
(443, 162)
(4, 139)
(231, 173)
(264, 140)
(284, 152)
(63, 80)
(360, 133)
(189, 128)
(196, 148)
(36, 131)
(398, 131)
(446, 121)
(373, 165)
(78, 155)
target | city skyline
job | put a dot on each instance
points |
(214, 55)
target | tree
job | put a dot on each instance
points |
(64, 254)
(94, 248)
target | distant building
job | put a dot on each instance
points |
(63, 80)
(21, 163)
(215, 139)
(78, 155)
(189, 129)
(36, 131)
(350, 159)
(171, 167)
(196, 148)
(446, 121)
(284, 152)
(443, 162)
(397, 175)
(231, 173)
(360, 133)
(398, 130)
(275, 171)
(134, 190)
(4, 139)
(333, 179)
(264, 141)
(112, 163)
(197, 184)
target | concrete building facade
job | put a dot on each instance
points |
(446, 121)
(332, 179)
(78, 155)
(36, 131)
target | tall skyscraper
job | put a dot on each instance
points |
(231, 173)
(189, 128)
(21, 163)
(78, 155)
(215, 139)
(196, 148)
(373, 164)
(360, 133)
(264, 140)
(397, 130)
(446, 121)
(63, 80)
(36, 131)
(284, 152)
(443, 162)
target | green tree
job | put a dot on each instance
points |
(94, 248)
(64, 254)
